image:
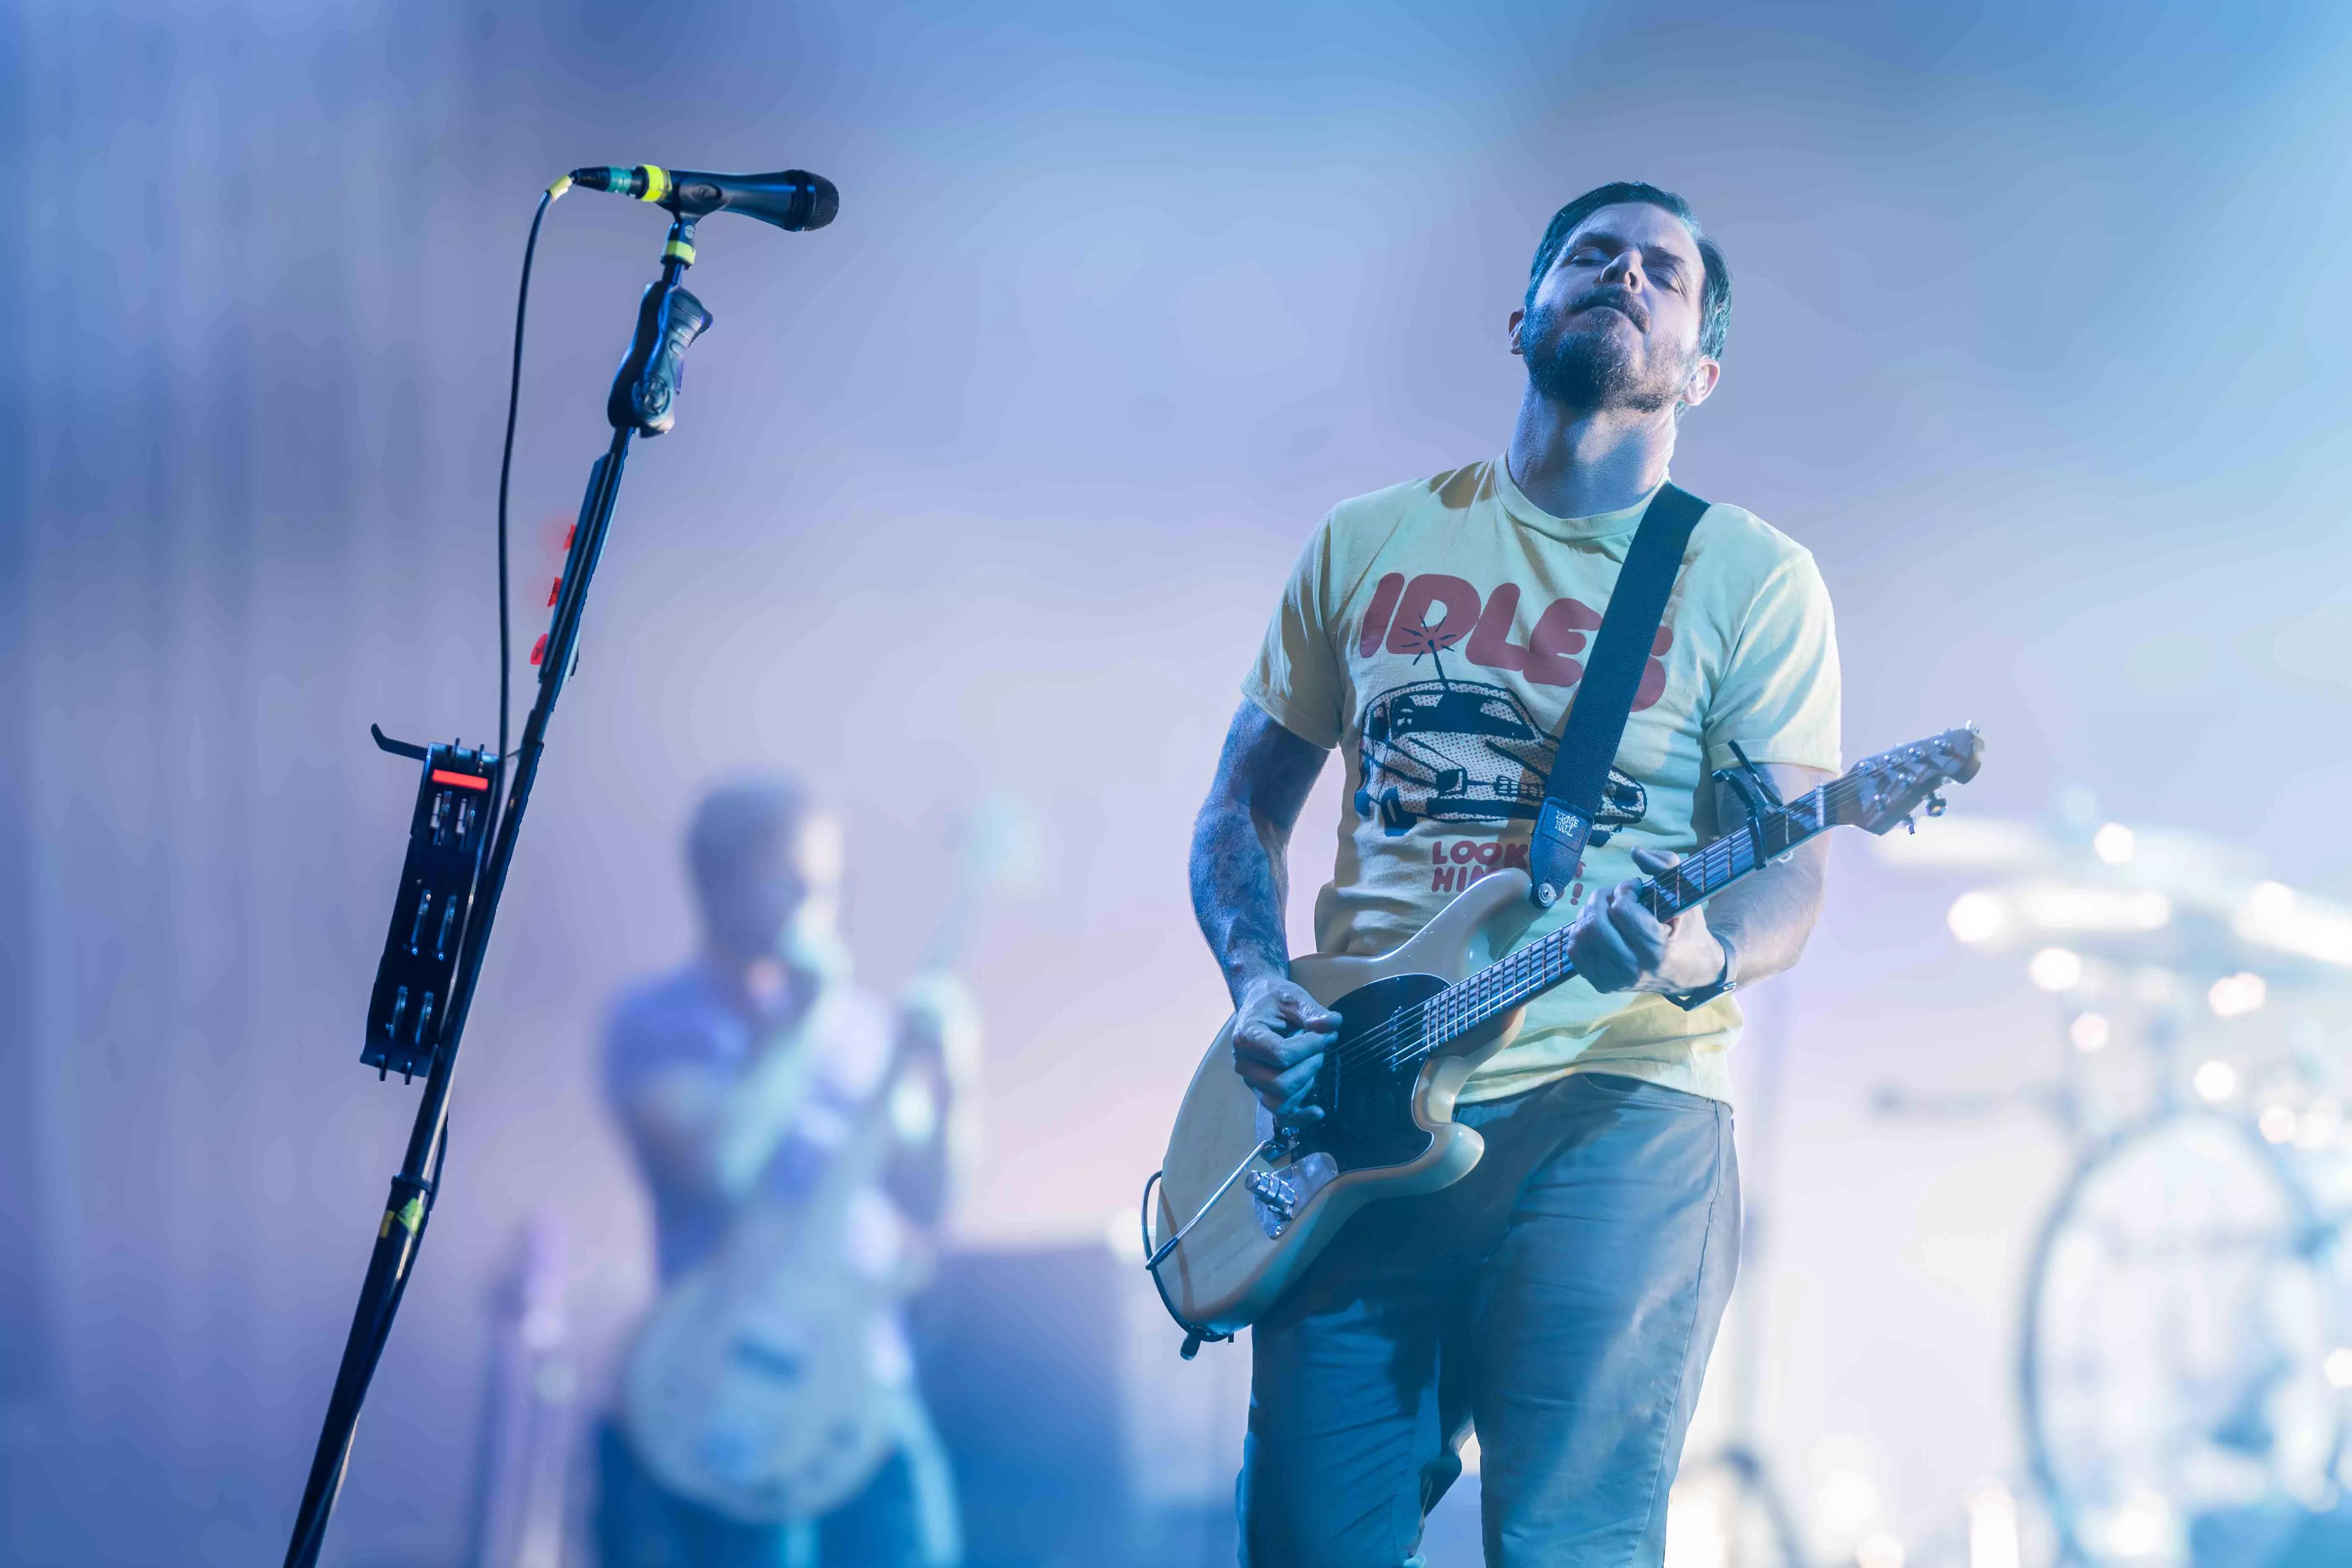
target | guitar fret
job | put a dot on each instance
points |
(1521, 977)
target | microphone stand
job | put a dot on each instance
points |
(668, 318)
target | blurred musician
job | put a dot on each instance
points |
(758, 1081)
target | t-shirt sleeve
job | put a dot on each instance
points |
(646, 1035)
(1299, 679)
(1780, 695)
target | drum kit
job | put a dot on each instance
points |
(2185, 1346)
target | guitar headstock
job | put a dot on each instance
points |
(1881, 791)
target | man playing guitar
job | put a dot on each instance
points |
(745, 1080)
(1563, 1297)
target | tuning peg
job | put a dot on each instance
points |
(1911, 822)
(1936, 804)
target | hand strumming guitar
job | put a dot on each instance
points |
(1280, 1033)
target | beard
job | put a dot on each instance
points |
(1577, 361)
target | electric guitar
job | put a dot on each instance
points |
(1243, 1201)
(768, 1382)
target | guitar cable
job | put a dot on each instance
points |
(1195, 1334)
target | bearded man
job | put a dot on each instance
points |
(1563, 1298)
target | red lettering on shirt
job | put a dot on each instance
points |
(1653, 674)
(1397, 619)
(1376, 619)
(1412, 634)
(1558, 637)
(1490, 643)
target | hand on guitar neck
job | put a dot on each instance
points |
(1619, 945)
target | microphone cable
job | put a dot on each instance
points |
(506, 473)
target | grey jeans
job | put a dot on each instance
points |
(1562, 1297)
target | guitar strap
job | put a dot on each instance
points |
(1604, 697)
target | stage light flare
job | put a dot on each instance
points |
(2338, 1367)
(1879, 1548)
(1122, 1234)
(2056, 969)
(2096, 909)
(2143, 1527)
(2235, 995)
(2216, 1081)
(2277, 1124)
(2090, 1032)
(1992, 1527)
(1977, 919)
(1846, 1501)
(1696, 1532)
(2115, 844)
(2276, 916)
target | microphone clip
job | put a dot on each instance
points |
(645, 388)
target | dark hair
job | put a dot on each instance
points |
(1714, 292)
(741, 818)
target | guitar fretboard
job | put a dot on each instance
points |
(1515, 981)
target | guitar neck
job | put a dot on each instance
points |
(1514, 982)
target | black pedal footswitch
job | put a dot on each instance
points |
(447, 837)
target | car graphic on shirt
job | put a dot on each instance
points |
(1465, 750)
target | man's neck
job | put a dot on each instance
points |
(1583, 462)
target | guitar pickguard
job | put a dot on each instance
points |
(1365, 1091)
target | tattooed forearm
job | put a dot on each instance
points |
(1240, 874)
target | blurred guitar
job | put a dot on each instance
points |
(767, 1383)
(1244, 1202)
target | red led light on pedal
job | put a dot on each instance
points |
(539, 648)
(463, 780)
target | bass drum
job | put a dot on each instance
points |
(2176, 1365)
(780, 1411)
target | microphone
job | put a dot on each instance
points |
(790, 198)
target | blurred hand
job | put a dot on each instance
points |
(1618, 945)
(1280, 1033)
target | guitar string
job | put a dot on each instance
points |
(1524, 975)
(1469, 1003)
(1719, 865)
(1472, 1002)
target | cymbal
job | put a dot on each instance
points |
(2155, 895)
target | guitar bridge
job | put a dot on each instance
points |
(1279, 1195)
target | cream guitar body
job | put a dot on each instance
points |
(1257, 1210)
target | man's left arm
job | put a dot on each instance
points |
(1763, 919)
(1779, 698)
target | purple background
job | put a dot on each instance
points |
(2039, 345)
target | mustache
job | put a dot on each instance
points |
(1616, 300)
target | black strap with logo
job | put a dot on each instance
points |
(1604, 697)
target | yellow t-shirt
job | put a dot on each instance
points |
(1434, 632)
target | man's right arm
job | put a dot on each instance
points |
(1241, 882)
